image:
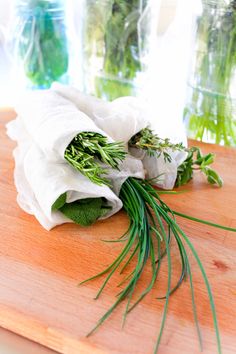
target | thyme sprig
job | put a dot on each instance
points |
(147, 140)
(87, 149)
(152, 223)
(150, 142)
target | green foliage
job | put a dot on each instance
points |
(84, 212)
(59, 202)
(87, 149)
(153, 144)
(147, 241)
(148, 141)
(211, 110)
(111, 26)
(196, 161)
(42, 42)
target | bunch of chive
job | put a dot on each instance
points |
(149, 217)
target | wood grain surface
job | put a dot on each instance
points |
(40, 270)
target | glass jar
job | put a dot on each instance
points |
(210, 112)
(117, 37)
(40, 42)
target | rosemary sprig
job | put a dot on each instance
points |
(149, 218)
(147, 140)
(87, 149)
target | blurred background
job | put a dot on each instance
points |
(179, 55)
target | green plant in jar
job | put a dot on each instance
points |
(211, 110)
(41, 42)
(114, 41)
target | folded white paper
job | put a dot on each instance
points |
(120, 119)
(52, 121)
(40, 182)
(130, 167)
(162, 173)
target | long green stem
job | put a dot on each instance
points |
(148, 216)
(204, 221)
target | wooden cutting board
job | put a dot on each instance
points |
(40, 270)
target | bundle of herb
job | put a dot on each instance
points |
(152, 223)
(150, 142)
(41, 42)
(87, 149)
(210, 112)
(195, 161)
(112, 36)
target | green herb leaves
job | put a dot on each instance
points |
(84, 212)
(87, 149)
(196, 161)
(210, 112)
(147, 140)
(42, 44)
(59, 202)
(147, 241)
(212, 176)
(112, 28)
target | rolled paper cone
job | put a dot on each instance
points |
(53, 122)
(41, 182)
(120, 119)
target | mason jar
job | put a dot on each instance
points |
(210, 112)
(117, 39)
(40, 42)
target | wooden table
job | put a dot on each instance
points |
(39, 272)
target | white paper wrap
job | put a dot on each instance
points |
(130, 167)
(121, 119)
(52, 121)
(162, 173)
(40, 182)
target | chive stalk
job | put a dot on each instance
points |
(149, 218)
